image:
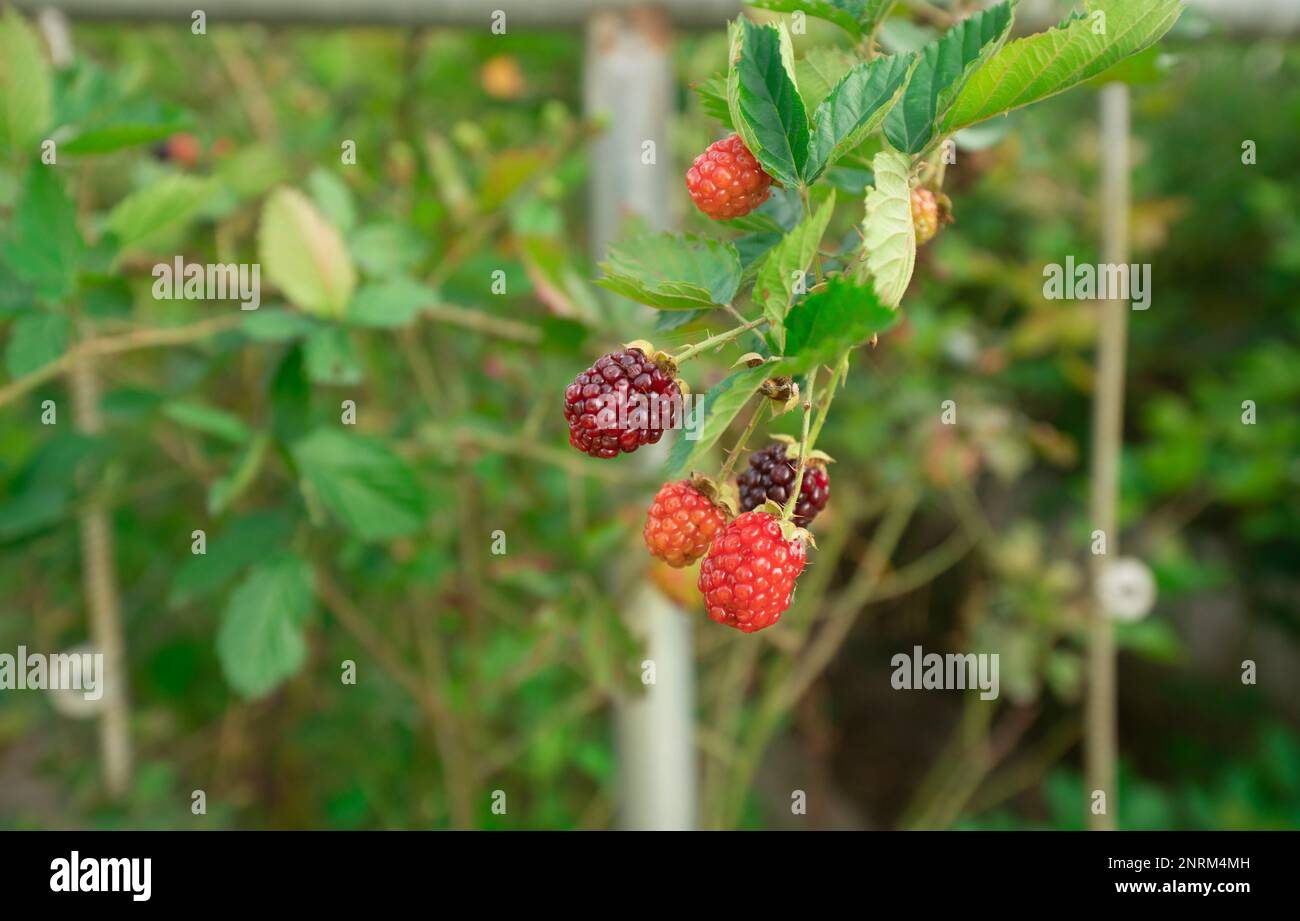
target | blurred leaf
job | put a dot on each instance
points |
(123, 128)
(1151, 638)
(331, 357)
(944, 67)
(557, 282)
(244, 541)
(365, 486)
(390, 304)
(228, 487)
(35, 340)
(25, 88)
(384, 249)
(260, 641)
(1039, 66)
(673, 272)
(764, 100)
(304, 256)
(42, 245)
(275, 325)
(889, 236)
(334, 199)
(507, 173)
(819, 70)
(208, 419)
(149, 213)
(713, 98)
(855, 107)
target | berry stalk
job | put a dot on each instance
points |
(804, 448)
(717, 340)
(730, 463)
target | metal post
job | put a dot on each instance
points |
(629, 85)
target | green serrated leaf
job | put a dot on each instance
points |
(764, 100)
(785, 266)
(25, 87)
(35, 340)
(162, 207)
(42, 246)
(943, 69)
(889, 237)
(304, 256)
(721, 405)
(1042, 65)
(841, 316)
(854, 108)
(673, 272)
(260, 641)
(370, 490)
(208, 419)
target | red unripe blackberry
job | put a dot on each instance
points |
(620, 403)
(771, 475)
(726, 181)
(747, 578)
(681, 523)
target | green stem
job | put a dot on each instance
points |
(841, 370)
(717, 340)
(807, 213)
(804, 448)
(730, 463)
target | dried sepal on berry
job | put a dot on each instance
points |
(723, 495)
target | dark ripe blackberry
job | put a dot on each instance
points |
(620, 403)
(771, 476)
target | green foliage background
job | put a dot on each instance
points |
(480, 672)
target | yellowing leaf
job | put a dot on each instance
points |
(304, 256)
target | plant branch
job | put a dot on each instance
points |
(113, 345)
(716, 340)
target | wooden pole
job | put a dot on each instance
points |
(1107, 441)
(628, 85)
